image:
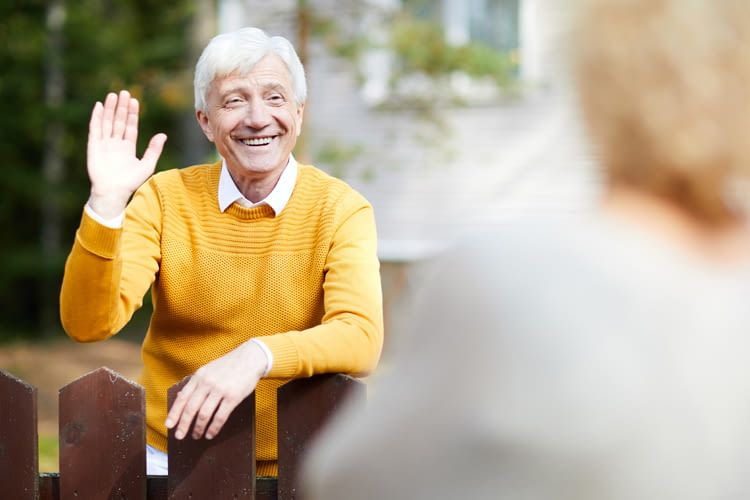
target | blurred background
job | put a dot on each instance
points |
(448, 115)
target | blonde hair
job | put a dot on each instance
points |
(665, 90)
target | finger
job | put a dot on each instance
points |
(131, 124)
(179, 404)
(109, 112)
(154, 149)
(192, 405)
(220, 418)
(204, 414)
(121, 114)
(95, 124)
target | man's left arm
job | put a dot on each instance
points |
(348, 340)
(350, 336)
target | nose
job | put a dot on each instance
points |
(257, 115)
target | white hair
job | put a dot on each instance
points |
(237, 52)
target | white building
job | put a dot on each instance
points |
(496, 157)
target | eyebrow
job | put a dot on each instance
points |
(271, 85)
(278, 87)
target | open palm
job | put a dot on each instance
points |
(114, 169)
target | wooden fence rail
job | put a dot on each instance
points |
(103, 441)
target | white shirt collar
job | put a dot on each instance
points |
(276, 199)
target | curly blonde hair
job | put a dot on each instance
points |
(665, 90)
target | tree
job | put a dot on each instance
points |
(58, 59)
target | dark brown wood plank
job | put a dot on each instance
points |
(223, 467)
(19, 457)
(266, 488)
(304, 406)
(157, 488)
(49, 486)
(102, 438)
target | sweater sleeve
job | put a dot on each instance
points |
(350, 336)
(108, 271)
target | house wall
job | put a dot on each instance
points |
(434, 182)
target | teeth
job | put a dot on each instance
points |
(258, 141)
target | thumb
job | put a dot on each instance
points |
(154, 149)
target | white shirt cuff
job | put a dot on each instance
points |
(267, 352)
(113, 223)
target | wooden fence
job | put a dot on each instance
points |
(103, 436)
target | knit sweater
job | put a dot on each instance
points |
(305, 280)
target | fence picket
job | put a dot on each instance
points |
(102, 438)
(223, 467)
(102, 442)
(19, 462)
(304, 406)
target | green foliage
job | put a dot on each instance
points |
(480, 60)
(424, 64)
(140, 45)
(338, 156)
(420, 47)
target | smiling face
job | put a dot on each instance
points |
(254, 120)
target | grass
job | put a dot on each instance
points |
(49, 452)
(51, 364)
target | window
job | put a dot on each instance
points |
(451, 50)
(490, 22)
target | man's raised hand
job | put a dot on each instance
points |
(114, 169)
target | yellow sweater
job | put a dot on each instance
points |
(306, 281)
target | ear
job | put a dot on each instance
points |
(202, 118)
(300, 116)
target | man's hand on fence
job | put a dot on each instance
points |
(215, 390)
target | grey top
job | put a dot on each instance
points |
(576, 358)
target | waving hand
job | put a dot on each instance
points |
(114, 169)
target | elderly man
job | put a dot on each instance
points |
(261, 269)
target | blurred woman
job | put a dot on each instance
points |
(601, 356)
